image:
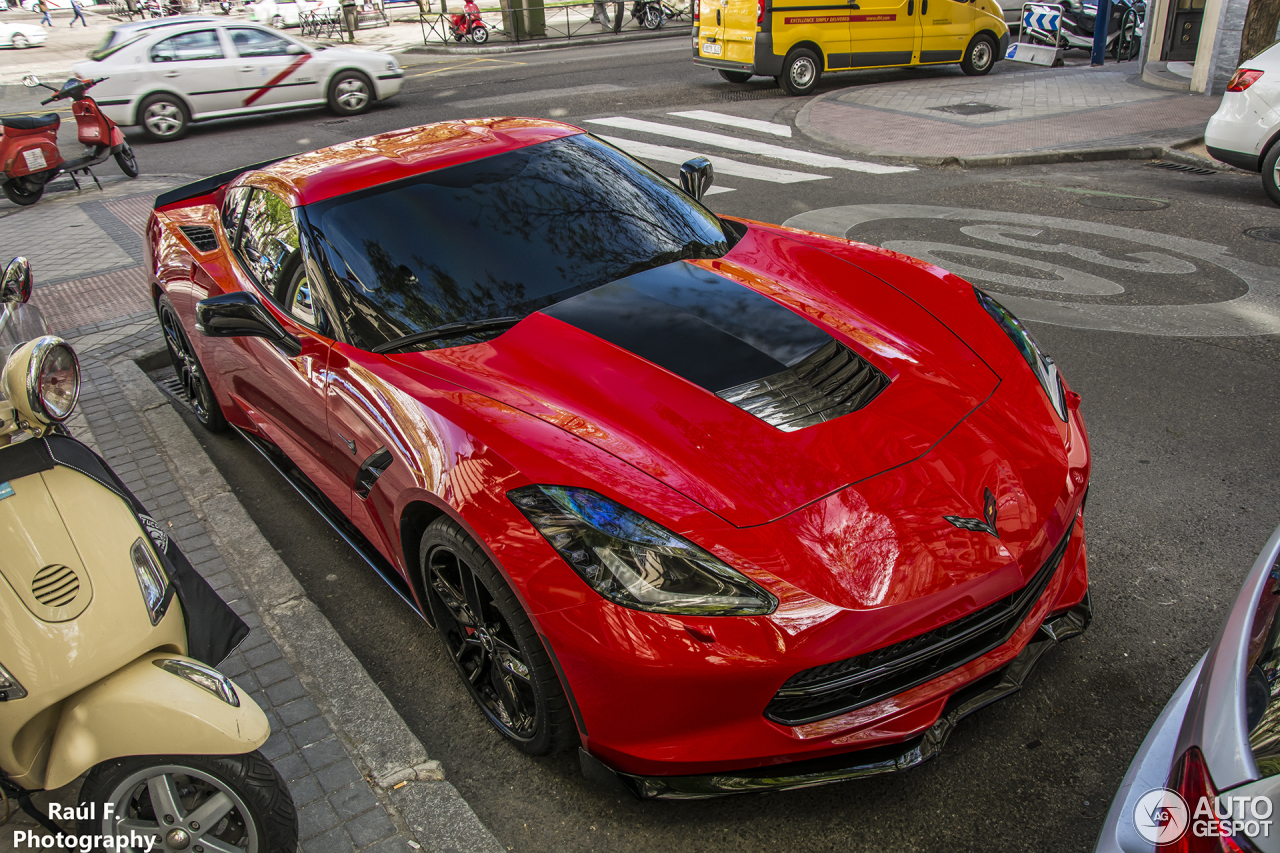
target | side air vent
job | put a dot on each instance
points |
(55, 586)
(831, 382)
(201, 236)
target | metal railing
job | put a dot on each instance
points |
(521, 21)
(327, 21)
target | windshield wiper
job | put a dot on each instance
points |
(448, 330)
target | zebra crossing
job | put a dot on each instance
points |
(642, 133)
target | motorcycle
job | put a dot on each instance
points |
(652, 14)
(469, 24)
(29, 144)
(1078, 21)
(110, 642)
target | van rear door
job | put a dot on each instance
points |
(710, 29)
(738, 34)
(884, 32)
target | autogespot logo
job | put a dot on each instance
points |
(1161, 816)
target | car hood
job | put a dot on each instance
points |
(634, 367)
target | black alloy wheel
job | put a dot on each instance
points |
(190, 375)
(126, 161)
(494, 646)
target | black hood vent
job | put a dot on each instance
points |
(831, 382)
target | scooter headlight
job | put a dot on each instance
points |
(42, 380)
(151, 579)
(10, 689)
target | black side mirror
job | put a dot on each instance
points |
(242, 315)
(696, 177)
(15, 286)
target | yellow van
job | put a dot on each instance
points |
(796, 40)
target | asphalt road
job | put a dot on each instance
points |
(1184, 493)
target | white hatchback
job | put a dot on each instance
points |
(1245, 131)
(165, 78)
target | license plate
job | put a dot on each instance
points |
(710, 48)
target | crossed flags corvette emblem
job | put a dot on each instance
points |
(986, 524)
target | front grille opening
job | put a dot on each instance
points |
(831, 382)
(201, 236)
(846, 685)
(55, 586)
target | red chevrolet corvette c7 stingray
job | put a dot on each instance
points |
(727, 505)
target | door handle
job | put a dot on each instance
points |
(173, 73)
(247, 68)
(717, 17)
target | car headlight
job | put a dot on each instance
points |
(151, 579)
(634, 562)
(202, 676)
(1041, 365)
(10, 689)
(42, 381)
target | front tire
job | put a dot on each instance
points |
(126, 161)
(733, 76)
(801, 71)
(225, 801)
(350, 93)
(277, 22)
(190, 374)
(979, 56)
(22, 191)
(494, 646)
(1271, 173)
(479, 34)
(652, 17)
(164, 118)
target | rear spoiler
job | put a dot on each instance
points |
(204, 186)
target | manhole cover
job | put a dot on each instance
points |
(1111, 202)
(1270, 235)
(970, 109)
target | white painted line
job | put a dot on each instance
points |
(715, 190)
(748, 146)
(538, 95)
(737, 121)
(722, 165)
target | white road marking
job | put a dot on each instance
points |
(722, 165)
(538, 95)
(737, 121)
(715, 190)
(748, 146)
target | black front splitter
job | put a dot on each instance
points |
(862, 763)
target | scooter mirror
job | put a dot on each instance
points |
(696, 177)
(31, 81)
(15, 287)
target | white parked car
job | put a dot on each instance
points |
(162, 79)
(285, 13)
(1245, 131)
(21, 35)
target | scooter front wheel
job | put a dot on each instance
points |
(479, 34)
(126, 161)
(23, 192)
(214, 802)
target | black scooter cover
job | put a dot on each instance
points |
(213, 629)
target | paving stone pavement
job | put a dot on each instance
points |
(351, 794)
(1034, 111)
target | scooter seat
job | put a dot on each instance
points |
(31, 122)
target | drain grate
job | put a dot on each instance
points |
(970, 108)
(1183, 167)
(1269, 235)
(750, 95)
(167, 381)
(1111, 202)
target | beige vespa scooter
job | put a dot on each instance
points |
(108, 639)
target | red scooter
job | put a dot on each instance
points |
(469, 24)
(29, 144)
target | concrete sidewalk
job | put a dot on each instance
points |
(361, 780)
(1036, 115)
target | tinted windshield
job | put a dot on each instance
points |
(502, 236)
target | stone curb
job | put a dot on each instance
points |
(558, 44)
(370, 729)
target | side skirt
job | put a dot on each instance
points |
(331, 514)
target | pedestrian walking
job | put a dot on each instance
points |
(77, 13)
(43, 6)
(599, 13)
(350, 18)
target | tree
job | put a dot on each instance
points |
(1260, 23)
